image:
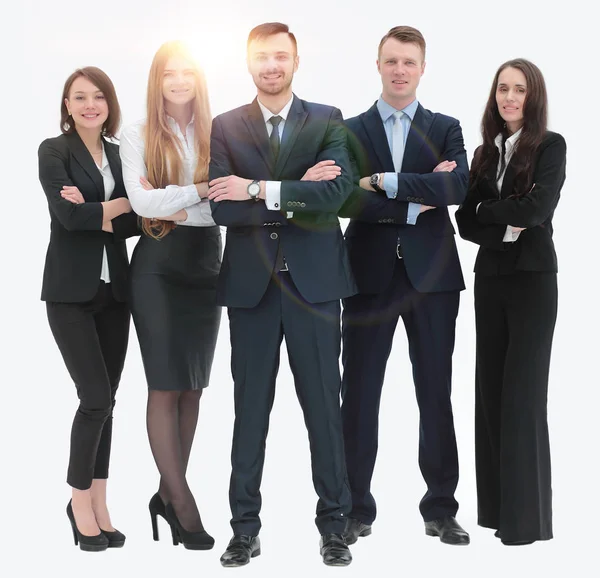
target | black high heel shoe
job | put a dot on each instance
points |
(157, 508)
(191, 540)
(116, 539)
(96, 543)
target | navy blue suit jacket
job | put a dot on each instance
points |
(312, 241)
(428, 247)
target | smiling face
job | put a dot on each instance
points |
(179, 81)
(511, 91)
(272, 62)
(401, 66)
(86, 104)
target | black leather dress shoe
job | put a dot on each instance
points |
(448, 530)
(497, 534)
(334, 550)
(240, 549)
(355, 529)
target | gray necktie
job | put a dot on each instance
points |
(274, 138)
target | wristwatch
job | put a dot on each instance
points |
(374, 182)
(254, 190)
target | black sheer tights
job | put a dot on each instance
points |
(171, 420)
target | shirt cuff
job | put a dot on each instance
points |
(273, 195)
(390, 185)
(510, 236)
(414, 210)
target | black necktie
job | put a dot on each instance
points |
(274, 138)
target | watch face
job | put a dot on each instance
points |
(253, 189)
(374, 179)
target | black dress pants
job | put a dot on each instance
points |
(312, 336)
(515, 316)
(369, 323)
(92, 338)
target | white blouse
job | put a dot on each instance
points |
(158, 203)
(511, 142)
(109, 187)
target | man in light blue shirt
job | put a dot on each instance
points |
(409, 165)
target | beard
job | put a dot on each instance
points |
(274, 88)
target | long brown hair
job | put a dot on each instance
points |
(162, 149)
(100, 80)
(535, 121)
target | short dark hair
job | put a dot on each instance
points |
(100, 79)
(269, 29)
(404, 34)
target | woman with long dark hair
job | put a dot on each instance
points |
(85, 285)
(175, 267)
(515, 183)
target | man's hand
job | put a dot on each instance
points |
(518, 229)
(72, 194)
(229, 188)
(445, 166)
(322, 171)
(365, 183)
(425, 208)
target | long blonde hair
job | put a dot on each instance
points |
(162, 149)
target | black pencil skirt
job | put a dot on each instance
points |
(173, 305)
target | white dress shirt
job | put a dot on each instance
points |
(510, 236)
(109, 187)
(159, 203)
(273, 188)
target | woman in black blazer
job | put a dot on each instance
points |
(85, 285)
(515, 182)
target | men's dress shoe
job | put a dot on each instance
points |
(240, 549)
(517, 542)
(334, 550)
(355, 529)
(448, 530)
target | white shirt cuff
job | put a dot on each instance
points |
(510, 236)
(273, 195)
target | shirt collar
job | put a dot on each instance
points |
(386, 110)
(511, 141)
(267, 114)
(173, 123)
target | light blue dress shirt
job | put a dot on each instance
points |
(390, 180)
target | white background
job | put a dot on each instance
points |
(42, 43)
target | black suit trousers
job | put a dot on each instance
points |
(515, 316)
(369, 323)
(312, 336)
(92, 338)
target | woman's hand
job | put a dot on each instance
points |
(72, 194)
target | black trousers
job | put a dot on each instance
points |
(92, 338)
(515, 317)
(312, 337)
(369, 323)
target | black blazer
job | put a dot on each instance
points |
(534, 248)
(312, 240)
(74, 256)
(428, 247)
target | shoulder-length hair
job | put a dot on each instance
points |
(101, 80)
(535, 121)
(162, 149)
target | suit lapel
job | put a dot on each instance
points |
(417, 137)
(84, 158)
(376, 134)
(256, 126)
(114, 161)
(293, 125)
(508, 181)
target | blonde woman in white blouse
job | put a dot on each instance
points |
(174, 272)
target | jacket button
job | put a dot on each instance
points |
(303, 204)
(274, 236)
(289, 203)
